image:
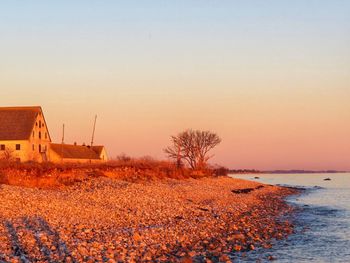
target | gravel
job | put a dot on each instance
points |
(108, 220)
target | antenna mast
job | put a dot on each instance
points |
(63, 134)
(93, 131)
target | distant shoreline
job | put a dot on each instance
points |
(247, 171)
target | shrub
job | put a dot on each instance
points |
(34, 174)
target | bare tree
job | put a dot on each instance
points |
(193, 147)
(7, 155)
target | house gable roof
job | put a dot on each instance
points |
(70, 151)
(16, 123)
(98, 149)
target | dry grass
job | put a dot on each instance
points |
(49, 175)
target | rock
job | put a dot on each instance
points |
(192, 253)
(271, 258)
(238, 237)
(68, 259)
(103, 219)
(186, 260)
(242, 191)
(237, 247)
(224, 258)
(266, 245)
(137, 237)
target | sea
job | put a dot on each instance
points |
(322, 219)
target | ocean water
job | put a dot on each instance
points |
(322, 223)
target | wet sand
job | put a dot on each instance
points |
(108, 220)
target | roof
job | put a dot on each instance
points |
(70, 151)
(16, 123)
(98, 149)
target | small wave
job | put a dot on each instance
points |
(320, 233)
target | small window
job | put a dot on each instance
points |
(33, 134)
(2, 147)
(18, 147)
(39, 124)
(39, 135)
(45, 135)
(33, 147)
(36, 124)
(39, 148)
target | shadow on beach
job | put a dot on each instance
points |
(31, 234)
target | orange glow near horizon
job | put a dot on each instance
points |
(272, 81)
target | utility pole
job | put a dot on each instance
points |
(93, 131)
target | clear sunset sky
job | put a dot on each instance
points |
(272, 78)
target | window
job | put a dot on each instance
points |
(2, 147)
(45, 135)
(33, 134)
(36, 124)
(33, 147)
(39, 124)
(39, 135)
(18, 147)
(39, 148)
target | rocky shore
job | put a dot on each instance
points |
(108, 220)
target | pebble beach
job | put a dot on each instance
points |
(109, 220)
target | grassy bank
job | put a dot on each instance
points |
(49, 175)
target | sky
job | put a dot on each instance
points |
(271, 78)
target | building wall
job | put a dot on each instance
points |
(32, 149)
(26, 152)
(54, 157)
(39, 141)
(20, 155)
(104, 155)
